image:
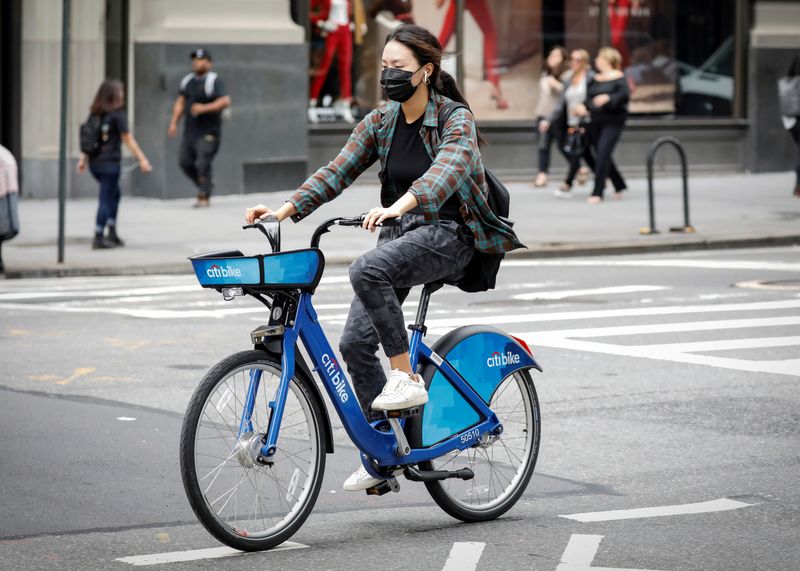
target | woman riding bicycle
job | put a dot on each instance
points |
(436, 186)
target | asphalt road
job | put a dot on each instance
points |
(669, 380)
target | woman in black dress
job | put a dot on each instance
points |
(607, 97)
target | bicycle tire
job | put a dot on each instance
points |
(213, 521)
(440, 492)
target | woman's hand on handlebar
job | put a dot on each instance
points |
(378, 215)
(260, 211)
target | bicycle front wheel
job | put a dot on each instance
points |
(246, 504)
(503, 465)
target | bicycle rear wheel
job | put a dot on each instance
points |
(243, 503)
(503, 466)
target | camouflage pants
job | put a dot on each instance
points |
(412, 254)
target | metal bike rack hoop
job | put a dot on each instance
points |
(651, 154)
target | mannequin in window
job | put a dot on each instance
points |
(331, 19)
(483, 17)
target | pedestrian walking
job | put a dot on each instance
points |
(607, 96)
(570, 116)
(102, 136)
(202, 99)
(789, 97)
(9, 195)
(435, 185)
(551, 86)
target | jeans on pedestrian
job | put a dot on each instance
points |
(553, 134)
(107, 174)
(413, 254)
(604, 137)
(195, 160)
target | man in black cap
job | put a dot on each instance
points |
(203, 92)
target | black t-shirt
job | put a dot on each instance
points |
(408, 160)
(616, 110)
(202, 89)
(112, 126)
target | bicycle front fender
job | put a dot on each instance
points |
(483, 356)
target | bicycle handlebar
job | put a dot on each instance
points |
(271, 228)
(355, 221)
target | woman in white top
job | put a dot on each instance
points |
(550, 89)
(569, 113)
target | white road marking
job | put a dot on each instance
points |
(726, 344)
(464, 556)
(789, 367)
(126, 418)
(563, 294)
(663, 263)
(442, 325)
(198, 554)
(721, 505)
(670, 327)
(580, 552)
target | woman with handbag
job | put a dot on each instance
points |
(789, 98)
(570, 115)
(607, 96)
(435, 185)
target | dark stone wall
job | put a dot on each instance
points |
(266, 124)
(710, 145)
(769, 145)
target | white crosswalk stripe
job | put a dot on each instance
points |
(634, 331)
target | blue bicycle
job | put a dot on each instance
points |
(256, 431)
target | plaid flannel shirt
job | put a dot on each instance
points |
(457, 169)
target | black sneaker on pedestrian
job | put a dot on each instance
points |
(113, 238)
(100, 243)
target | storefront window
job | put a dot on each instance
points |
(677, 56)
(706, 55)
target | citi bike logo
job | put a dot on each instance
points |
(227, 272)
(497, 359)
(334, 374)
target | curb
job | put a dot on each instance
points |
(544, 250)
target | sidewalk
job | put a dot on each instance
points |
(727, 210)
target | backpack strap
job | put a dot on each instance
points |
(444, 114)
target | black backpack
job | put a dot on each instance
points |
(91, 133)
(481, 272)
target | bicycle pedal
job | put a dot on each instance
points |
(404, 413)
(390, 485)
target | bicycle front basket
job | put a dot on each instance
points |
(296, 269)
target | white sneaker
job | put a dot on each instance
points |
(313, 115)
(558, 193)
(360, 480)
(401, 391)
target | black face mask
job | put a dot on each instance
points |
(397, 83)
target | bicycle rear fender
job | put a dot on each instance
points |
(274, 347)
(484, 356)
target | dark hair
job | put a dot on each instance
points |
(563, 66)
(109, 97)
(427, 49)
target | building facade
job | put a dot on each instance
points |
(704, 71)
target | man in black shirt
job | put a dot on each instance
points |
(203, 92)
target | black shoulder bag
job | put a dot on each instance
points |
(481, 272)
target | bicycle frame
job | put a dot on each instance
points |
(379, 446)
